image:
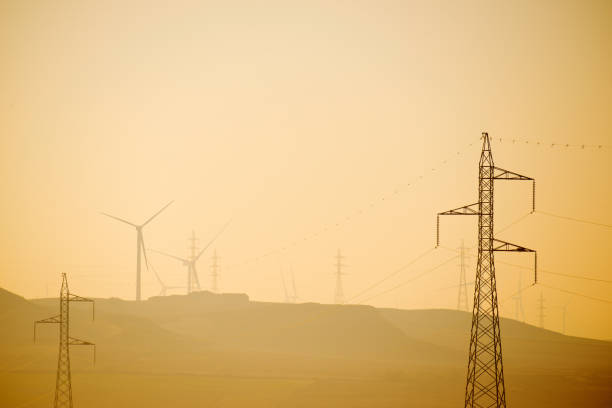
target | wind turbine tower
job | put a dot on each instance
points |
(339, 294)
(63, 380)
(140, 246)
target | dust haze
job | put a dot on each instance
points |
(249, 193)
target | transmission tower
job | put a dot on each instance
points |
(462, 299)
(564, 307)
(63, 386)
(519, 311)
(485, 377)
(193, 282)
(339, 294)
(215, 271)
(295, 294)
(541, 309)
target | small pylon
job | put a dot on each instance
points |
(541, 309)
(519, 311)
(462, 297)
(339, 294)
(215, 272)
(63, 381)
(193, 281)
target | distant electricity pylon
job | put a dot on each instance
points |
(564, 308)
(63, 385)
(193, 282)
(214, 273)
(140, 246)
(541, 309)
(290, 297)
(485, 378)
(339, 294)
(519, 311)
(462, 298)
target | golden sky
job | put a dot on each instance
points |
(289, 117)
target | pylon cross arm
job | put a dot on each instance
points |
(504, 246)
(76, 298)
(501, 174)
(472, 209)
(54, 319)
(500, 245)
(78, 342)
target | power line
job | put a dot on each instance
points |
(576, 293)
(567, 275)
(395, 272)
(513, 223)
(540, 143)
(350, 216)
(563, 217)
(412, 279)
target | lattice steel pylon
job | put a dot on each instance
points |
(519, 311)
(462, 299)
(339, 293)
(485, 377)
(541, 309)
(63, 383)
(214, 273)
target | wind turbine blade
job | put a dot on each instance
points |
(119, 219)
(212, 240)
(170, 256)
(157, 213)
(144, 251)
(195, 275)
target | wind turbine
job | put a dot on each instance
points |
(190, 262)
(164, 288)
(140, 247)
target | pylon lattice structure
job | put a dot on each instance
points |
(462, 298)
(193, 281)
(485, 377)
(339, 294)
(215, 272)
(519, 311)
(541, 309)
(63, 382)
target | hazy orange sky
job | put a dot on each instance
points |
(289, 117)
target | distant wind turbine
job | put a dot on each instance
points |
(164, 288)
(140, 247)
(190, 262)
